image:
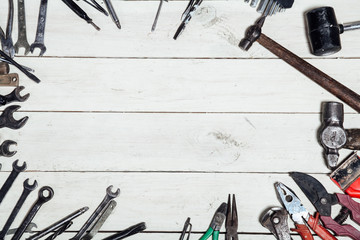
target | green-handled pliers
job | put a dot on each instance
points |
(216, 222)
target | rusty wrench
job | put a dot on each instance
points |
(28, 188)
(40, 31)
(102, 206)
(42, 198)
(4, 148)
(11, 179)
(6, 39)
(22, 39)
(7, 118)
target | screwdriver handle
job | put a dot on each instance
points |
(328, 83)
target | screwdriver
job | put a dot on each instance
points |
(76, 9)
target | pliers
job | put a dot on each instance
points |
(215, 224)
(231, 224)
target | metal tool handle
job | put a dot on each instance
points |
(315, 225)
(40, 31)
(331, 85)
(76, 9)
(353, 206)
(10, 22)
(21, 20)
(304, 231)
(340, 230)
(350, 26)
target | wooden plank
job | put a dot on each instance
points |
(171, 142)
(180, 85)
(162, 200)
(214, 31)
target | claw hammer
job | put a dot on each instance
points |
(342, 92)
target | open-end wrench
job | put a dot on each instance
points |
(4, 148)
(14, 96)
(45, 194)
(28, 188)
(40, 31)
(22, 41)
(6, 39)
(7, 118)
(102, 206)
(29, 229)
(11, 179)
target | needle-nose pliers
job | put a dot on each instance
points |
(231, 224)
(216, 222)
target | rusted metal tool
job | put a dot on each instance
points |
(7, 118)
(6, 37)
(14, 96)
(4, 148)
(275, 219)
(342, 92)
(270, 7)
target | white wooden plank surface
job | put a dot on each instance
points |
(177, 125)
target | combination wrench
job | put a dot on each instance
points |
(6, 39)
(22, 41)
(45, 194)
(28, 188)
(11, 179)
(98, 211)
(40, 31)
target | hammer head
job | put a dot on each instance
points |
(323, 31)
(332, 135)
(252, 34)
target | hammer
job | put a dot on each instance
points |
(333, 136)
(345, 94)
(324, 31)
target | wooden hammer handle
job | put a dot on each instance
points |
(331, 85)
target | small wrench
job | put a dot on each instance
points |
(102, 206)
(14, 96)
(42, 198)
(11, 179)
(22, 39)
(4, 148)
(40, 31)
(28, 188)
(6, 39)
(7, 118)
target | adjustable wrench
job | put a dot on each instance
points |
(22, 39)
(11, 179)
(6, 39)
(40, 31)
(42, 198)
(102, 206)
(27, 190)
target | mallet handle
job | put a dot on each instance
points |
(345, 94)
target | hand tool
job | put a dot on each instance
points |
(29, 229)
(59, 231)
(40, 31)
(270, 7)
(14, 96)
(215, 224)
(102, 206)
(187, 225)
(231, 224)
(324, 31)
(112, 13)
(99, 222)
(25, 67)
(22, 41)
(299, 214)
(275, 219)
(323, 201)
(6, 38)
(127, 232)
(187, 15)
(81, 13)
(45, 194)
(27, 73)
(4, 148)
(157, 15)
(16, 169)
(347, 176)
(7, 79)
(7, 119)
(342, 92)
(58, 224)
(28, 188)
(97, 6)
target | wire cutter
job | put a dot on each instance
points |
(216, 222)
(186, 16)
(231, 224)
